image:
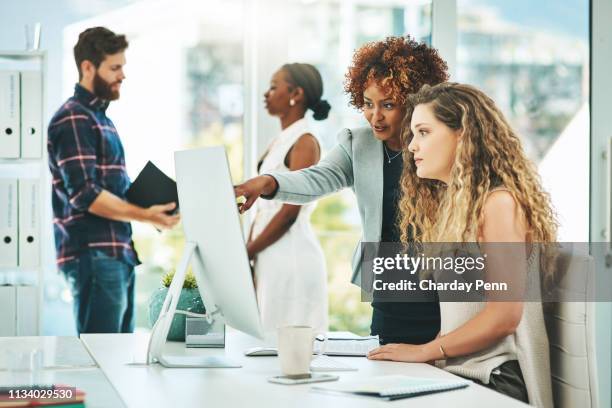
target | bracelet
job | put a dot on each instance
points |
(444, 356)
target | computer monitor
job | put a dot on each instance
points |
(215, 248)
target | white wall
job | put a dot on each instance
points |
(54, 16)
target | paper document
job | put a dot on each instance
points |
(343, 346)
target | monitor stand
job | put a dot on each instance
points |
(159, 333)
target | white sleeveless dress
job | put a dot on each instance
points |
(290, 275)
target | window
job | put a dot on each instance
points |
(533, 60)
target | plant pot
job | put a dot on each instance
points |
(189, 300)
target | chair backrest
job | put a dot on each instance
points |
(571, 333)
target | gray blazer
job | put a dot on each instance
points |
(355, 162)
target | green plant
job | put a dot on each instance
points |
(189, 283)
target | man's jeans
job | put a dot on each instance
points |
(103, 292)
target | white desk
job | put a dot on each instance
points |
(65, 362)
(156, 386)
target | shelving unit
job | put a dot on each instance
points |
(24, 185)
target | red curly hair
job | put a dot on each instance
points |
(399, 64)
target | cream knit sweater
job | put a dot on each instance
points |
(528, 345)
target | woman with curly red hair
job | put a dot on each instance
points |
(369, 161)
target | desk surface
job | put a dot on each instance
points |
(65, 361)
(58, 352)
(157, 386)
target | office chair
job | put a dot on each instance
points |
(571, 333)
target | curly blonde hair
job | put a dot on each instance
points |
(489, 154)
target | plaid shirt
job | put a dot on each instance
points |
(85, 157)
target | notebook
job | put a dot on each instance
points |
(392, 387)
(354, 345)
(152, 187)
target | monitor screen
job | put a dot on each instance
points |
(211, 221)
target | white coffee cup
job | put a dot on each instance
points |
(295, 349)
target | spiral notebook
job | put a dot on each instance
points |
(392, 387)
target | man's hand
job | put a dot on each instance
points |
(158, 217)
(107, 205)
(253, 188)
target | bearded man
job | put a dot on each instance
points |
(93, 235)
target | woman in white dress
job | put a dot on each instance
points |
(289, 265)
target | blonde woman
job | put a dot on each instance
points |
(466, 179)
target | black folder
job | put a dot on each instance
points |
(152, 187)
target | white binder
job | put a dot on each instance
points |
(29, 223)
(9, 114)
(8, 222)
(31, 114)
(26, 311)
(8, 315)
